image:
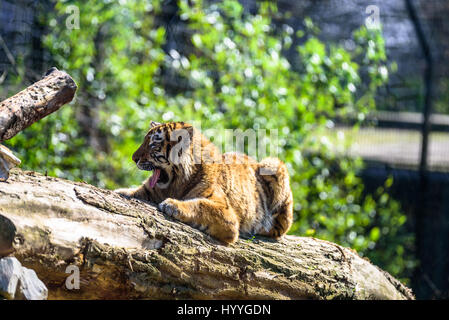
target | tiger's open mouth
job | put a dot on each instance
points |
(159, 175)
(155, 177)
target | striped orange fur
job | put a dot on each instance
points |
(222, 194)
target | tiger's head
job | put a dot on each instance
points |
(167, 151)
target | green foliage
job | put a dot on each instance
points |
(237, 76)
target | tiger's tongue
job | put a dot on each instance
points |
(154, 177)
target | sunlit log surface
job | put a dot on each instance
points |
(126, 249)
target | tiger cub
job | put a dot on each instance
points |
(222, 194)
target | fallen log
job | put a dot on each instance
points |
(35, 102)
(127, 249)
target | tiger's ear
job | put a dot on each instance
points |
(155, 124)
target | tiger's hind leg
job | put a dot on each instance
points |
(274, 176)
(282, 221)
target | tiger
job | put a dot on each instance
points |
(225, 195)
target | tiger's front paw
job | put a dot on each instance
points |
(168, 206)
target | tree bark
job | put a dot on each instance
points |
(127, 249)
(35, 102)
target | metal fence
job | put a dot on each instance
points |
(395, 138)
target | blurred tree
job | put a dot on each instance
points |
(234, 75)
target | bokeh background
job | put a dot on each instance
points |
(354, 88)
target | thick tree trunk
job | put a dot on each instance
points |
(35, 102)
(125, 248)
